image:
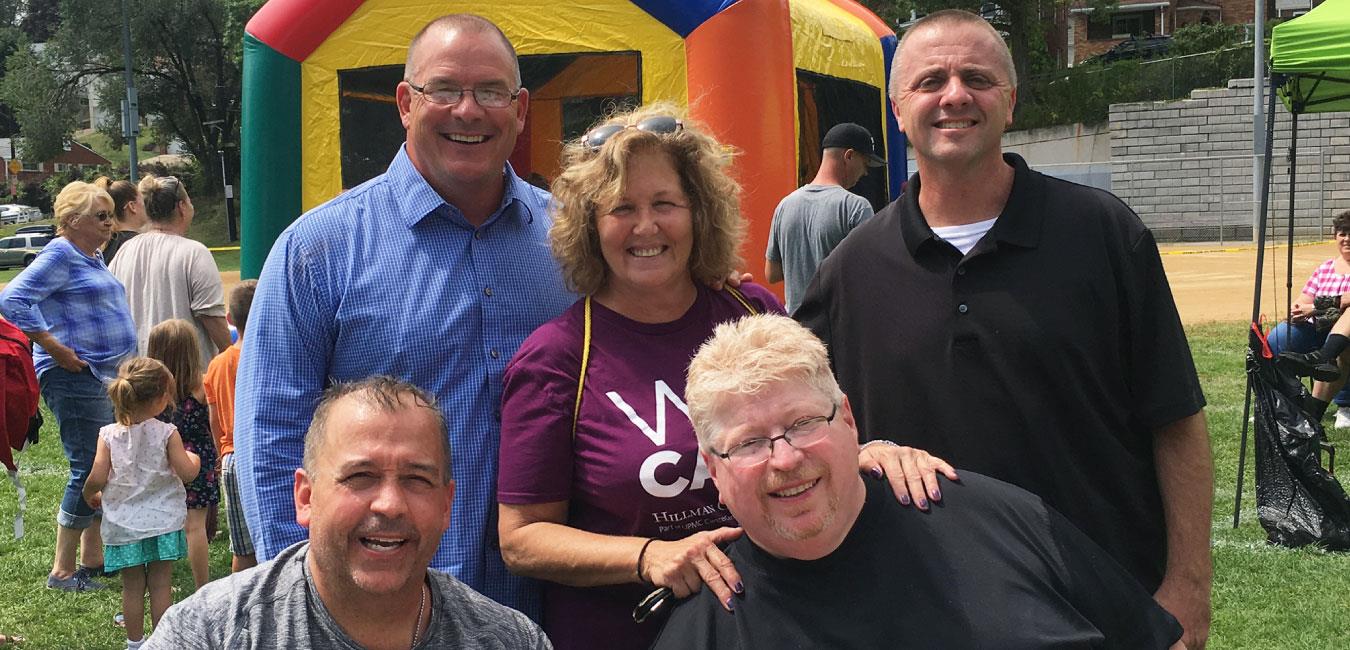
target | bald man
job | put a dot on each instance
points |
(1022, 327)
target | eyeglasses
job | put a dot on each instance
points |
(447, 95)
(659, 124)
(800, 434)
(102, 216)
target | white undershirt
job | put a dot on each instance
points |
(965, 236)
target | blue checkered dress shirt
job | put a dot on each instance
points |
(74, 298)
(389, 279)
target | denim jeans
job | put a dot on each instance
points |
(80, 404)
(1302, 337)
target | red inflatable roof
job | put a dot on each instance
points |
(296, 28)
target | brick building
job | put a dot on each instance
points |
(1082, 38)
(74, 156)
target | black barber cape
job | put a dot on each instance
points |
(990, 567)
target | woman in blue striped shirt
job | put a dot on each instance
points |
(76, 314)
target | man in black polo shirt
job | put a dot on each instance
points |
(1022, 327)
(830, 560)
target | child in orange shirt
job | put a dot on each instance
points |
(219, 385)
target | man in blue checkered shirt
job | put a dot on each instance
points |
(433, 272)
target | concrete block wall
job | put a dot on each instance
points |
(1186, 166)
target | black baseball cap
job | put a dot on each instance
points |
(852, 136)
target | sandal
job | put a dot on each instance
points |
(8, 640)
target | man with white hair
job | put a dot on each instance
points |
(1021, 326)
(826, 549)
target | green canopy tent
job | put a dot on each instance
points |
(1310, 73)
(1311, 54)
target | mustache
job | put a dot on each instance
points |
(775, 480)
(381, 526)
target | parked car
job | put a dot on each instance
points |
(18, 214)
(1135, 47)
(21, 250)
(43, 229)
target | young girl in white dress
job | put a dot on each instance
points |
(138, 475)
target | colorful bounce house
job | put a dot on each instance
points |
(769, 77)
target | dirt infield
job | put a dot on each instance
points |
(1210, 282)
(1215, 284)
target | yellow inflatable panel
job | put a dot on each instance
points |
(831, 41)
(378, 33)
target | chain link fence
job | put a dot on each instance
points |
(1084, 94)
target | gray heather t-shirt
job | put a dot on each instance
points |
(807, 225)
(275, 605)
(168, 276)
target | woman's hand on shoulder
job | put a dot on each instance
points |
(685, 565)
(912, 472)
(733, 279)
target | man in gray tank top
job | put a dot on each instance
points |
(374, 491)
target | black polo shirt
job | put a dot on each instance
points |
(1045, 357)
(991, 568)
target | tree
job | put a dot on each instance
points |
(44, 109)
(40, 19)
(11, 39)
(1021, 20)
(186, 55)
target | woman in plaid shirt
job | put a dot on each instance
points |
(76, 314)
(1315, 336)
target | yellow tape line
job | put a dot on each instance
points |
(1240, 249)
(223, 249)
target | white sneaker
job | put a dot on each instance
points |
(1342, 418)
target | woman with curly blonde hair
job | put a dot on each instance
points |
(601, 489)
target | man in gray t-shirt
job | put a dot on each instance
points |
(374, 490)
(812, 220)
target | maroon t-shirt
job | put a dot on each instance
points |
(633, 467)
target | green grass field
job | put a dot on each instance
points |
(1264, 596)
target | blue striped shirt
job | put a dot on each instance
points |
(73, 297)
(389, 279)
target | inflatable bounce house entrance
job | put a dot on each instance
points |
(769, 77)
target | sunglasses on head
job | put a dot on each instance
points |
(659, 125)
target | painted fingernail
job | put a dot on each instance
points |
(876, 472)
(730, 606)
(937, 494)
(739, 588)
(904, 499)
(923, 504)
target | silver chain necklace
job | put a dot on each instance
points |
(417, 624)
